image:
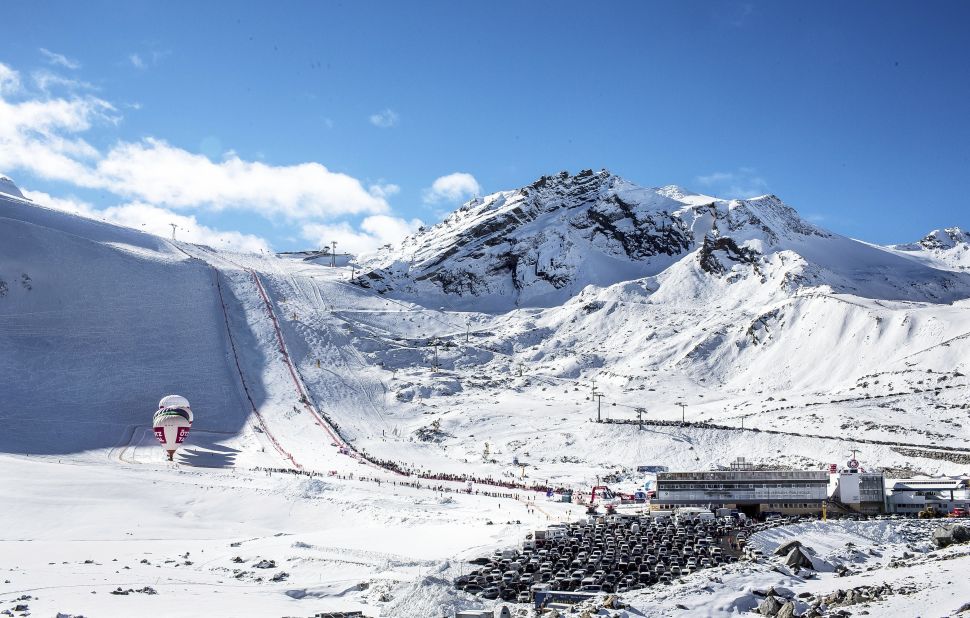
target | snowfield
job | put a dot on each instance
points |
(469, 353)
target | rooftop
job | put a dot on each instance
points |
(754, 475)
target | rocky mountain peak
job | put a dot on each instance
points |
(947, 238)
(542, 244)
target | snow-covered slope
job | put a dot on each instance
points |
(9, 189)
(95, 322)
(459, 354)
(542, 244)
(947, 249)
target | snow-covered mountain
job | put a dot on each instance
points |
(789, 345)
(542, 244)
(945, 249)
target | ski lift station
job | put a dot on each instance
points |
(943, 494)
(752, 492)
(848, 490)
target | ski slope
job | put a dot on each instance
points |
(110, 318)
(337, 387)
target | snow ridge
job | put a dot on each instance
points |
(542, 244)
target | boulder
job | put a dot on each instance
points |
(787, 611)
(787, 547)
(950, 534)
(798, 559)
(770, 606)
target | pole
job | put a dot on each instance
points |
(742, 422)
(599, 407)
(640, 419)
(173, 230)
(683, 412)
(333, 253)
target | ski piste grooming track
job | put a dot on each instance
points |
(242, 378)
(302, 392)
(297, 382)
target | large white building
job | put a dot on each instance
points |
(910, 496)
(750, 491)
(864, 492)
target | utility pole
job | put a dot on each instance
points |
(353, 271)
(683, 412)
(599, 407)
(743, 416)
(640, 412)
(173, 230)
(333, 253)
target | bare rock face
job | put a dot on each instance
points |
(538, 239)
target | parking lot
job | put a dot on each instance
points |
(612, 553)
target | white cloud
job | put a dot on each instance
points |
(9, 80)
(41, 136)
(155, 220)
(142, 61)
(452, 188)
(46, 80)
(60, 59)
(743, 183)
(383, 190)
(384, 119)
(374, 232)
(157, 172)
(45, 137)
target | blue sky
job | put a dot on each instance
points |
(291, 123)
